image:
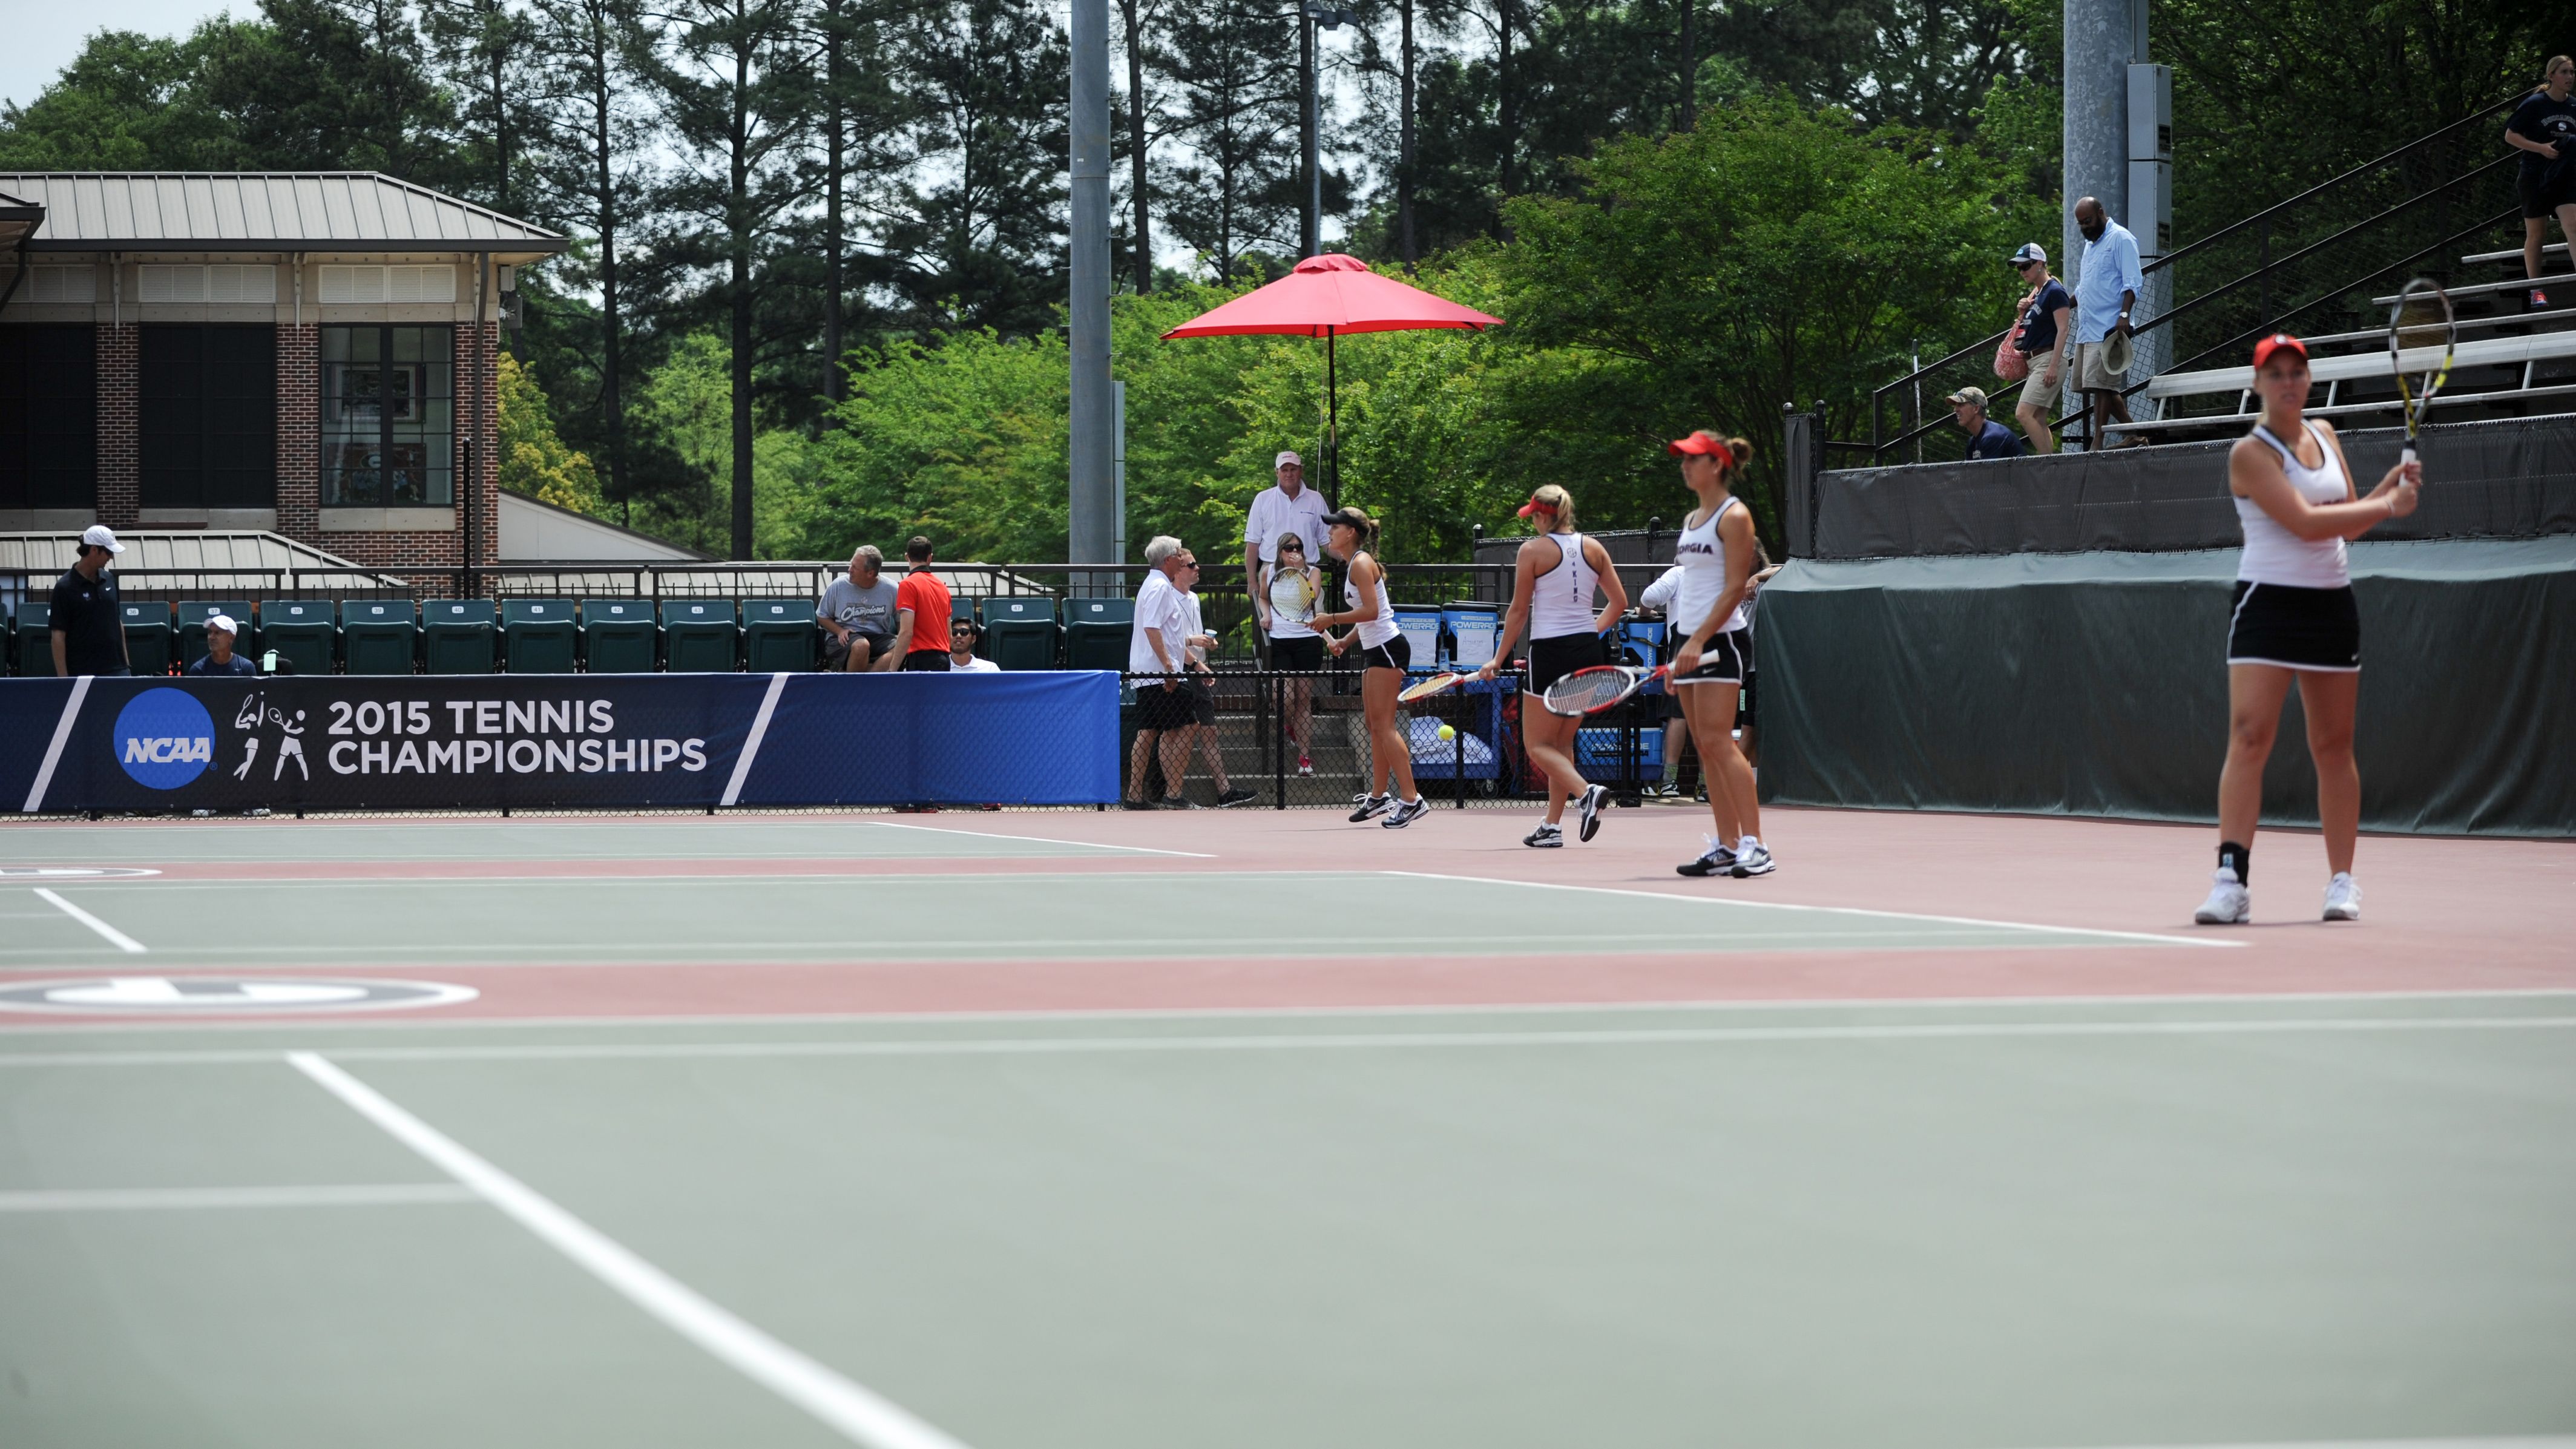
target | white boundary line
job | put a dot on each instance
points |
(1841, 910)
(859, 1414)
(54, 751)
(2536, 1441)
(1042, 840)
(114, 937)
(751, 742)
(1765, 1005)
(121, 1199)
(1292, 1041)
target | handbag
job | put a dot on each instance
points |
(2011, 363)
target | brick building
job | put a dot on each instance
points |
(308, 354)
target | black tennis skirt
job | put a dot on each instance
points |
(2295, 628)
(1723, 661)
(1552, 659)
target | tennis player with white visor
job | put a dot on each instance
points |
(2294, 619)
(1717, 556)
(1555, 577)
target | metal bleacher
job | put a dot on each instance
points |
(2511, 361)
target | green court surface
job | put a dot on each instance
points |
(646, 916)
(1998, 1224)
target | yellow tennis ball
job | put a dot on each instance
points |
(1447, 733)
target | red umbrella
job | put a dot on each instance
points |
(1325, 297)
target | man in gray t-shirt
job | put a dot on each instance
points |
(857, 615)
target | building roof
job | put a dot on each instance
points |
(18, 216)
(236, 561)
(133, 211)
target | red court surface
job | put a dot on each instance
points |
(2440, 915)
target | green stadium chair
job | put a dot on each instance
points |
(1096, 632)
(379, 636)
(193, 614)
(148, 637)
(618, 636)
(305, 633)
(35, 635)
(456, 636)
(1020, 633)
(539, 636)
(779, 635)
(698, 636)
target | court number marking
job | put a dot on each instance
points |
(224, 995)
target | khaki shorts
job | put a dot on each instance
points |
(2091, 375)
(2042, 394)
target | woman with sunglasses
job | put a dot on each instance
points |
(2047, 321)
(1384, 657)
(1554, 578)
(2294, 620)
(1285, 597)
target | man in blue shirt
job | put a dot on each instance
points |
(219, 657)
(2106, 291)
(1986, 438)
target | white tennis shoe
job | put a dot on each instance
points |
(1594, 797)
(2229, 903)
(1368, 807)
(1406, 812)
(2343, 897)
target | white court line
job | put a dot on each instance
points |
(1762, 1006)
(1290, 1041)
(121, 1199)
(1842, 910)
(860, 1414)
(751, 743)
(114, 937)
(2537, 1441)
(1042, 840)
(54, 751)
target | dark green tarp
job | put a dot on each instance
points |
(2095, 684)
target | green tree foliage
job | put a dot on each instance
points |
(128, 102)
(532, 458)
(688, 402)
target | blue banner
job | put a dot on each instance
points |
(533, 741)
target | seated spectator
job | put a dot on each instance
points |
(857, 614)
(219, 657)
(963, 637)
(921, 607)
(1986, 438)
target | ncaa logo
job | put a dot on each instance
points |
(164, 738)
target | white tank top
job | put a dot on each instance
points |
(2273, 554)
(1377, 631)
(1702, 555)
(1561, 599)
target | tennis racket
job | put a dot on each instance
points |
(2422, 334)
(1292, 597)
(1590, 691)
(1424, 689)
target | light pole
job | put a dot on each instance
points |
(1315, 17)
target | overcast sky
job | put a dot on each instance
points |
(43, 37)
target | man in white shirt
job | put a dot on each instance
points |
(2106, 292)
(1289, 506)
(1158, 659)
(963, 636)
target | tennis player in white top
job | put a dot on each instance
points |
(1384, 657)
(1555, 578)
(1717, 554)
(2294, 620)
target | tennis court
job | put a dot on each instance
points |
(1261, 1129)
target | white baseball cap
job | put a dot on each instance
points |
(1285, 458)
(99, 536)
(223, 622)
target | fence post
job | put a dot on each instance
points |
(1799, 466)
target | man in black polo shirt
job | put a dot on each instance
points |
(89, 630)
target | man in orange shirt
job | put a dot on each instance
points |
(921, 604)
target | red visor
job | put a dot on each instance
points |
(2264, 349)
(1534, 506)
(1697, 444)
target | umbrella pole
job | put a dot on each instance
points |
(1332, 427)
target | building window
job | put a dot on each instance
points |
(388, 417)
(48, 417)
(206, 415)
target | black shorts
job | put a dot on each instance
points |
(2295, 628)
(1722, 661)
(934, 660)
(1395, 653)
(1158, 708)
(2546, 189)
(1552, 659)
(1202, 700)
(836, 648)
(1305, 654)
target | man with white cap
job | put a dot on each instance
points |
(1286, 507)
(219, 657)
(88, 625)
